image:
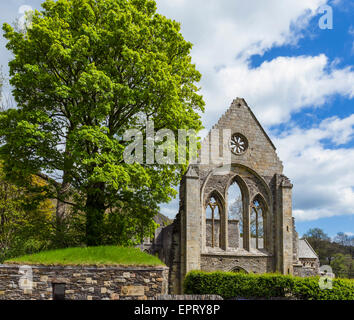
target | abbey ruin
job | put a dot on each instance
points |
(236, 217)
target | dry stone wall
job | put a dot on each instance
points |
(85, 283)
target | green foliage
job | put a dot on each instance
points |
(72, 230)
(343, 265)
(2, 79)
(229, 285)
(316, 233)
(309, 289)
(25, 224)
(83, 73)
(107, 255)
(123, 227)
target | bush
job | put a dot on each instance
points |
(229, 285)
(309, 289)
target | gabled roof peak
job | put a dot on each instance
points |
(241, 102)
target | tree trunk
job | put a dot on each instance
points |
(95, 208)
(62, 196)
(60, 215)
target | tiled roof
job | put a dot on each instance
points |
(305, 250)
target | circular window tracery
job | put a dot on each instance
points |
(238, 143)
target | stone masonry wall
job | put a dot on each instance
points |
(85, 283)
(209, 233)
(261, 155)
(305, 271)
(233, 233)
(254, 264)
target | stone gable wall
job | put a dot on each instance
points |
(261, 155)
(85, 283)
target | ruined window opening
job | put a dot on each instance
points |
(213, 219)
(235, 216)
(257, 223)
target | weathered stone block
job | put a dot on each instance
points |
(114, 296)
(133, 290)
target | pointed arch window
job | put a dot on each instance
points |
(213, 223)
(257, 224)
(235, 216)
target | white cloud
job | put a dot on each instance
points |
(283, 86)
(323, 178)
(336, 2)
(351, 30)
(227, 33)
(224, 29)
(171, 209)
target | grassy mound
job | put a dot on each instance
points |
(103, 255)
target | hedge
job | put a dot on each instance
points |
(230, 285)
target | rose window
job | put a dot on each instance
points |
(238, 143)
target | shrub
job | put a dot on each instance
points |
(309, 289)
(229, 285)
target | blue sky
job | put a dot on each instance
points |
(297, 78)
(338, 45)
(299, 81)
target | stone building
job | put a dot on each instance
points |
(235, 211)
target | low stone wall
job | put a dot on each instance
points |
(83, 282)
(188, 297)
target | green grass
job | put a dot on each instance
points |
(104, 255)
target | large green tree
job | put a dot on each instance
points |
(84, 72)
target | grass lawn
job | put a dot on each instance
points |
(103, 255)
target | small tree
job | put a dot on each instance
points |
(83, 73)
(317, 234)
(320, 242)
(342, 239)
